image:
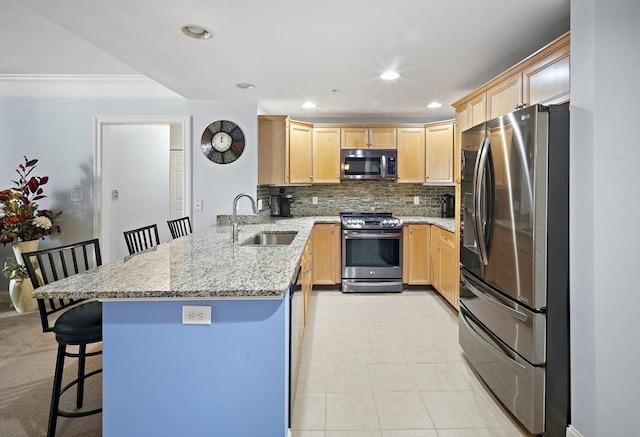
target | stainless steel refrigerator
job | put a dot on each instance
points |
(514, 288)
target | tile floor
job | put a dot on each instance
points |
(389, 365)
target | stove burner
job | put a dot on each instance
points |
(369, 220)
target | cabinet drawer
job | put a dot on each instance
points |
(446, 238)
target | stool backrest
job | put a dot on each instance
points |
(142, 238)
(49, 265)
(179, 227)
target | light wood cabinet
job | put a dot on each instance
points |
(326, 254)
(505, 96)
(416, 257)
(326, 155)
(439, 152)
(368, 137)
(411, 155)
(548, 81)
(273, 149)
(444, 274)
(306, 276)
(300, 153)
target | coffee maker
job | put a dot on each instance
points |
(447, 205)
(281, 204)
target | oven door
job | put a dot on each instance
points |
(371, 254)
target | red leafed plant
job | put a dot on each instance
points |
(20, 218)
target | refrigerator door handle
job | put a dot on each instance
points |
(478, 177)
(491, 301)
(491, 347)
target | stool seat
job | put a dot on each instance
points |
(81, 324)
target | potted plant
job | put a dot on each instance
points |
(23, 224)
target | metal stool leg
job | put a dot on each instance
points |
(55, 394)
(82, 349)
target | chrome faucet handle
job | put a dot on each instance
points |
(234, 217)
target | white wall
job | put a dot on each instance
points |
(59, 132)
(605, 210)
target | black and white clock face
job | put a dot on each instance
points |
(222, 142)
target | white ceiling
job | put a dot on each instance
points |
(292, 50)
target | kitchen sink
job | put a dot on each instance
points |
(271, 238)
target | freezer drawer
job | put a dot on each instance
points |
(519, 385)
(521, 329)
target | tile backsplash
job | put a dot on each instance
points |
(361, 196)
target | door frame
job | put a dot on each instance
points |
(102, 177)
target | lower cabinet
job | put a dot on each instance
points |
(415, 254)
(327, 258)
(444, 274)
(306, 276)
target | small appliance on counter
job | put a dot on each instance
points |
(447, 205)
(281, 204)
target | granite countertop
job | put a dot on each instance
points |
(448, 224)
(205, 265)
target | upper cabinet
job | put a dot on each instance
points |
(439, 152)
(543, 77)
(411, 155)
(326, 155)
(273, 149)
(300, 152)
(369, 137)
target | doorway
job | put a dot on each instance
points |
(142, 171)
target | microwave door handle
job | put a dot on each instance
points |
(491, 301)
(383, 166)
(479, 187)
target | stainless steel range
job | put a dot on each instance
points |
(371, 252)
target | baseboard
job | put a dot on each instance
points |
(572, 432)
(4, 297)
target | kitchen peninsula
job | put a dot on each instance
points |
(163, 377)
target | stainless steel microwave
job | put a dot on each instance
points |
(368, 163)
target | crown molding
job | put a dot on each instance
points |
(82, 86)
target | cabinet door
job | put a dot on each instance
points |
(300, 153)
(435, 258)
(326, 155)
(326, 254)
(439, 152)
(273, 138)
(418, 256)
(505, 96)
(354, 138)
(477, 110)
(548, 81)
(382, 138)
(411, 155)
(448, 275)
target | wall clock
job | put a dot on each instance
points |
(222, 142)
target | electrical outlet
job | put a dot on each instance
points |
(196, 315)
(198, 205)
(76, 196)
(416, 200)
(259, 204)
(314, 200)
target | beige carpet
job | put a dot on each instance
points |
(27, 361)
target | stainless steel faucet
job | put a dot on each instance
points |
(234, 219)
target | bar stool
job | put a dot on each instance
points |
(142, 238)
(179, 227)
(78, 323)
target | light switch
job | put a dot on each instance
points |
(76, 196)
(314, 200)
(416, 200)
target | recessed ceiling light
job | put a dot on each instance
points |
(195, 31)
(308, 105)
(389, 75)
(434, 105)
(245, 86)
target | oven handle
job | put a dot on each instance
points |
(360, 234)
